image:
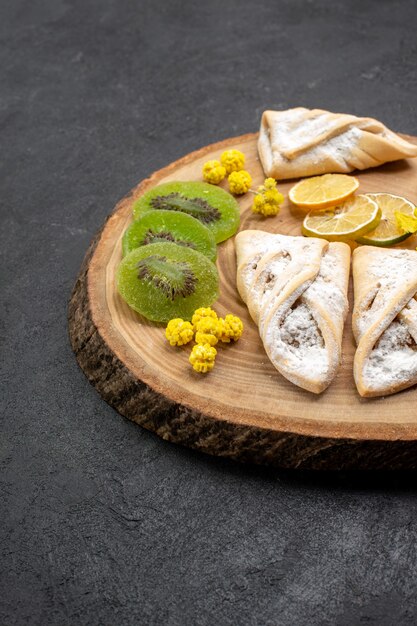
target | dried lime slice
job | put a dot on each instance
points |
(387, 233)
(348, 220)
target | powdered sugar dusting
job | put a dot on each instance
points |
(270, 271)
(294, 133)
(393, 359)
(386, 324)
(300, 330)
(388, 272)
(297, 340)
(251, 246)
(330, 285)
(294, 335)
(296, 292)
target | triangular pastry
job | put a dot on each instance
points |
(302, 142)
(384, 320)
(296, 292)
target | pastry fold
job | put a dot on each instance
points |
(384, 320)
(302, 142)
(296, 292)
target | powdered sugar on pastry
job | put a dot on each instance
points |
(251, 246)
(374, 292)
(409, 316)
(296, 346)
(385, 322)
(393, 361)
(302, 142)
(296, 135)
(270, 268)
(331, 285)
(306, 257)
(303, 334)
(297, 295)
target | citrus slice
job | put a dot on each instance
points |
(348, 220)
(387, 232)
(320, 192)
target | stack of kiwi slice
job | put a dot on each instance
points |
(169, 250)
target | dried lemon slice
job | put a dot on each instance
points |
(320, 192)
(387, 232)
(348, 220)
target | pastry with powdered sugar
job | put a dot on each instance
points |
(384, 320)
(296, 292)
(305, 142)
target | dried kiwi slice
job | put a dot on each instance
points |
(164, 280)
(212, 206)
(171, 226)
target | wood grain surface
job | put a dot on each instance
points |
(244, 408)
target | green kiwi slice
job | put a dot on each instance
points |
(163, 280)
(169, 226)
(212, 206)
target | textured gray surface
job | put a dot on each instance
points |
(102, 522)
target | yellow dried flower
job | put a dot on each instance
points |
(178, 332)
(268, 199)
(239, 182)
(213, 172)
(270, 183)
(406, 223)
(202, 338)
(202, 357)
(207, 324)
(233, 160)
(207, 331)
(231, 327)
(200, 313)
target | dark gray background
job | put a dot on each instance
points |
(102, 522)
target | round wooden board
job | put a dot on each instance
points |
(244, 409)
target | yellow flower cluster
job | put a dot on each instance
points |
(268, 199)
(231, 328)
(233, 160)
(213, 172)
(239, 182)
(406, 223)
(207, 329)
(231, 165)
(212, 329)
(202, 357)
(202, 312)
(179, 332)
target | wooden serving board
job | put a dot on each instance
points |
(244, 409)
